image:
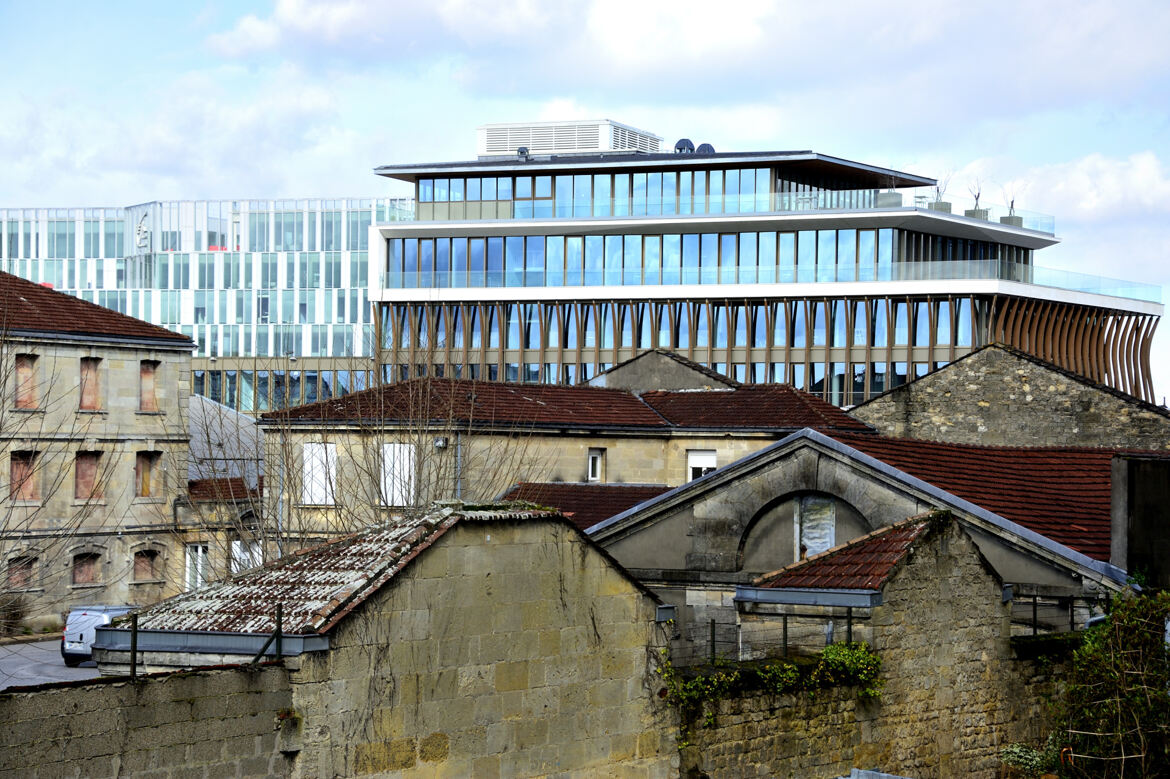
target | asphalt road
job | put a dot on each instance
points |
(38, 662)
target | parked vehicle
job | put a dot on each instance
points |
(80, 625)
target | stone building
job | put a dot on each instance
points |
(94, 444)
(1000, 396)
(1044, 518)
(495, 641)
(347, 462)
(954, 692)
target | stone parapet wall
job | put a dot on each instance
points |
(504, 650)
(955, 692)
(995, 397)
(214, 722)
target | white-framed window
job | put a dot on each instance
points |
(246, 555)
(398, 474)
(319, 480)
(198, 569)
(595, 466)
(700, 462)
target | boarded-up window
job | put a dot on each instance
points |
(22, 477)
(85, 568)
(320, 474)
(26, 381)
(146, 474)
(147, 399)
(816, 525)
(146, 565)
(86, 485)
(91, 399)
(20, 572)
(398, 474)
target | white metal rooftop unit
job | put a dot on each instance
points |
(580, 137)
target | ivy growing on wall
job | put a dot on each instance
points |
(837, 665)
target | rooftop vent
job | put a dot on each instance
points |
(705, 148)
(522, 153)
(684, 146)
(555, 138)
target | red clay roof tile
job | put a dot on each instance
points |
(25, 306)
(758, 406)
(1061, 493)
(864, 563)
(585, 504)
(464, 401)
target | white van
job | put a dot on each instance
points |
(77, 640)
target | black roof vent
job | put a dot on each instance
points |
(522, 153)
(684, 146)
(705, 148)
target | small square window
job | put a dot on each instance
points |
(20, 572)
(85, 568)
(700, 462)
(146, 565)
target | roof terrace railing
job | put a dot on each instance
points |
(1002, 270)
(661, 202)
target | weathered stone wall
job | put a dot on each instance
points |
(954, 695)
(505, 650)
(216, 722)
(56, 526)
(997, 398)
(489, 464)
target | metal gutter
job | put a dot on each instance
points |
(117, 639)
(180, 342)
(799, 596)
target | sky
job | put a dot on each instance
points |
(1064, 107)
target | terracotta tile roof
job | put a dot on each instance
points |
(29, 307)
(319, 586)
(864, 563)
(758, 406)
(585, 504)
(1061, 493)
(210, 490)
(482, 402)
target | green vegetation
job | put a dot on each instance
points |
(838, 665)
(1113, 718)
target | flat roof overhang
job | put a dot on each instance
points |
(918, 219)
(805, 162)
(117, 639)
(800, 596)
(793, 291)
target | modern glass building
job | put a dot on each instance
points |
(274, 292)
(835, 276)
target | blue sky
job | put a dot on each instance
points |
(1064, 105)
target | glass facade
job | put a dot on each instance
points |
(254, 283)
(508, 298)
